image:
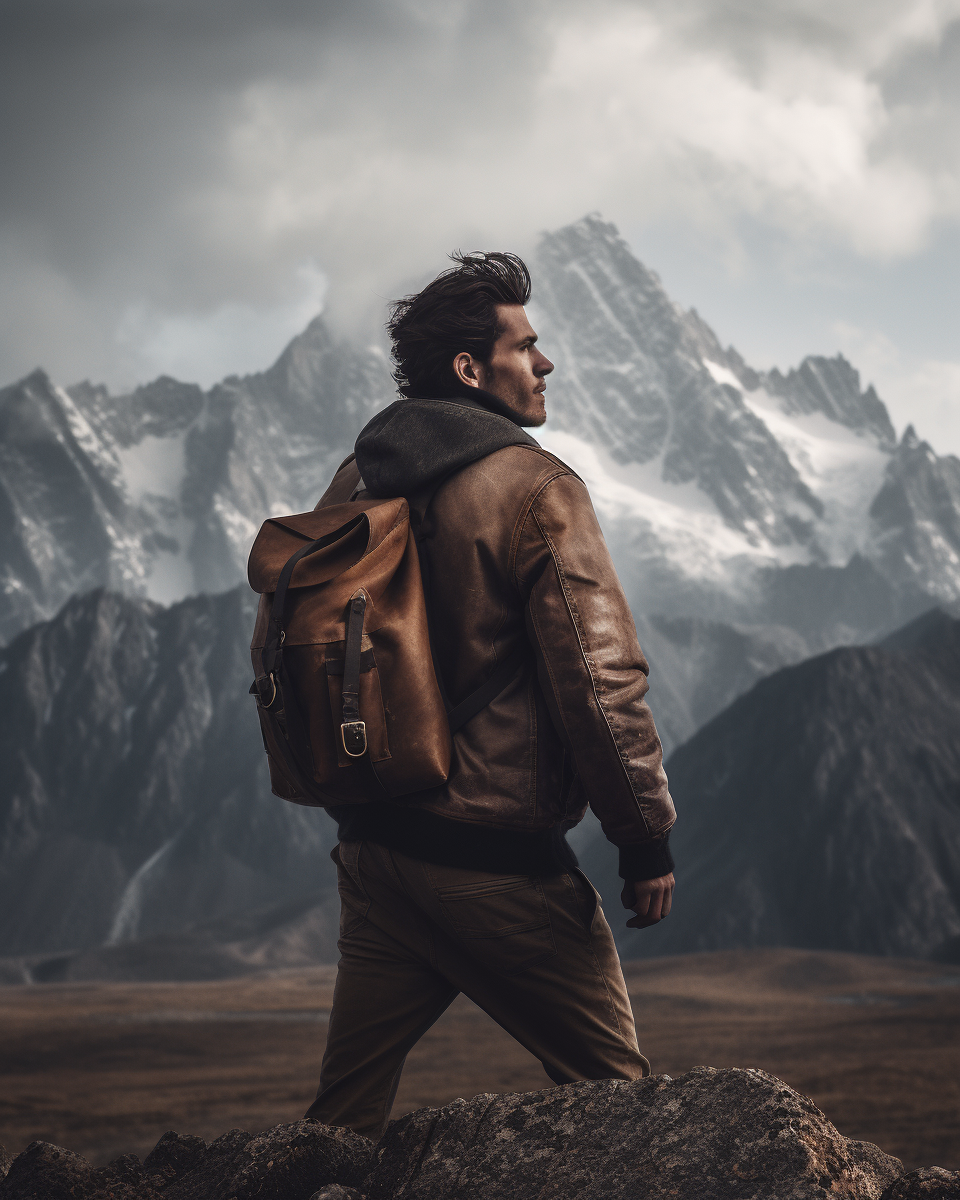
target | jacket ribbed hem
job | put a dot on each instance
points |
(648, 860)
(448, 843)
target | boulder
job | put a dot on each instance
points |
(288, 1162)
(708, 1135)
(929, 1183)
(47, 1172)
(213, 1167)
(175, 1155)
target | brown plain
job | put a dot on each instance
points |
(105, 1069)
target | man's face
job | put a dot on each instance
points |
(516, 372)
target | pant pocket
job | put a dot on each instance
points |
(588, 898)
(503, 923)
(354, 901)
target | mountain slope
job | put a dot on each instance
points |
(160, 492)
(822, 808)
(65, 524)
(136, 800)
(631, 378)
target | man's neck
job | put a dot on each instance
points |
(478, 398)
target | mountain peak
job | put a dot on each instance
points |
(935, 632)
(832, 386)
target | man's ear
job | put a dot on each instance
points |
(467, 369)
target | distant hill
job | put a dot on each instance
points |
(135, 800)
(822, 808)
(139, 839)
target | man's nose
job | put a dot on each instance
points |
(544, 365)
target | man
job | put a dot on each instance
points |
(471, 887)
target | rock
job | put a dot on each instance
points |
(6, 1158)
(709, 1135)
(213, 1167)
(173, 1157)
(288, 1162)
(47, 1172)
(929, 1183)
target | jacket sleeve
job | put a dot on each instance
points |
(593, 673)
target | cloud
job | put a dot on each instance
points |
(232, 339)
(183, 161)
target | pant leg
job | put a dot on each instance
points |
(538, 956)
(535, 953)
(387, 995)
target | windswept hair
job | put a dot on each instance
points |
(455, 313)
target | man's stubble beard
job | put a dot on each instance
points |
(530, 411)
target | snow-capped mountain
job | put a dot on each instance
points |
(160, 492)
(755, 518)
(707, 475)
(707, 472)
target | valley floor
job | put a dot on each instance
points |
(105, 1069)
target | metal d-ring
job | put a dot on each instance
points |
(273, 696)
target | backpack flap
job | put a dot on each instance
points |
(355, 525)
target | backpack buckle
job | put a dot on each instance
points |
(354, 737)
(264, 686)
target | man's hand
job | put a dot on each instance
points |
(650, 899)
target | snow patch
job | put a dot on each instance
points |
(842, 468)
(170, 577)
(154, 466)
(722, 374)
(642, 514)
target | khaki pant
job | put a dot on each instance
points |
(535, 953)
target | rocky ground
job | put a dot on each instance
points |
(708, 1135)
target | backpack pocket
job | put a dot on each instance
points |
(371, 701)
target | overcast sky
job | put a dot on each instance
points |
(184, 182)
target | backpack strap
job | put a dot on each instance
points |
(353, 731)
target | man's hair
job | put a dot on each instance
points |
(456, 312)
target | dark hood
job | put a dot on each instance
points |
(416, 443)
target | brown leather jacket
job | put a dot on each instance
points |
(516, 558)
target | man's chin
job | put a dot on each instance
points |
(528, 412)
(536, 411)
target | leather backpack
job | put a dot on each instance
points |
(351, 705)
